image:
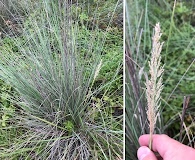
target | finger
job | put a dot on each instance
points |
(160, 143)
(144, 153)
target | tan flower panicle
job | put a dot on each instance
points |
(154, 85)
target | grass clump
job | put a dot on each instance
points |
(55, 89)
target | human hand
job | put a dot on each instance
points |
(168, 148)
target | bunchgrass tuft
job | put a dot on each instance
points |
(54, 85)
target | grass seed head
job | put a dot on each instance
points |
(154, 84)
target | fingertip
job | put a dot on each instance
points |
(144, 153)
(143, 139)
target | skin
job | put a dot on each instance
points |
(168, 148)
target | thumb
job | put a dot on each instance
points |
(144, 153)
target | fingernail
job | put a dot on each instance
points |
(143, 152)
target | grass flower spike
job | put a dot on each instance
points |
(154, 85)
